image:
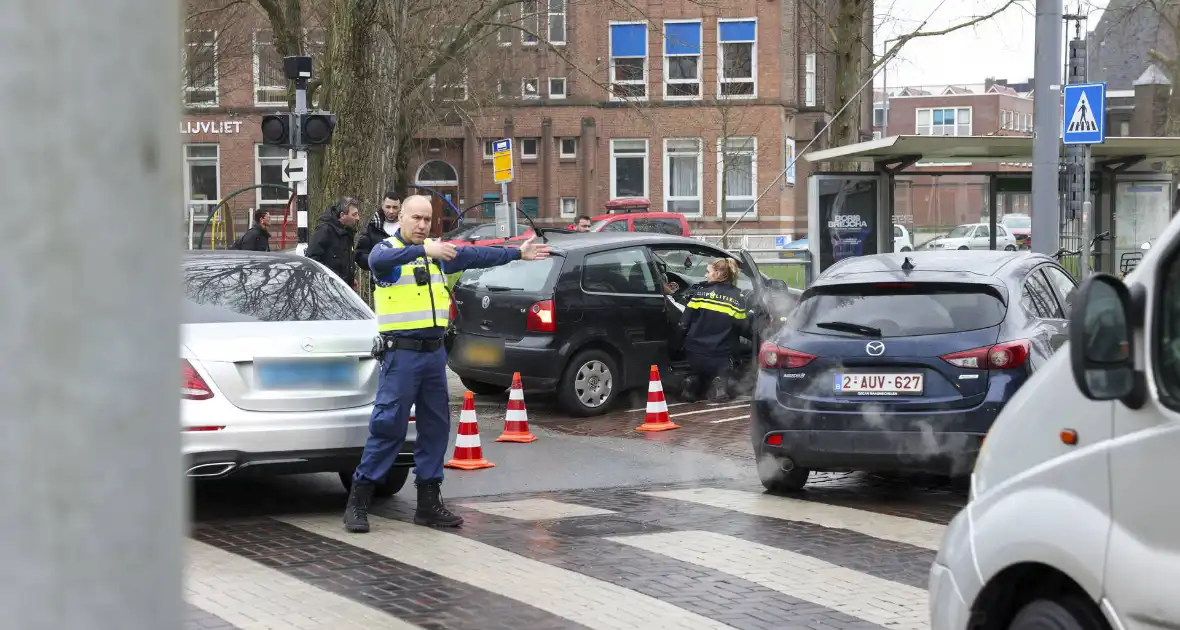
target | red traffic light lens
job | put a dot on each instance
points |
(274, 130)
(317, 129)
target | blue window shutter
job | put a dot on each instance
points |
(489, 205)
(743, 31)
(529, 206)
(628, 40)
(681, 38)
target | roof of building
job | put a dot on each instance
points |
(959, 149)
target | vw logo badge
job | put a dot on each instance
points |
(875, 348)
(486, 300)
(307, 345)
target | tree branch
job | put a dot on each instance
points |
(919, 33)
(202, 13)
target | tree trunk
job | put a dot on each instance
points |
(850, 51)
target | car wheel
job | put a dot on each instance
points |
(394, 481)
(907, 249)
(484, 389)
(1009, 248)
(963, 248)
(776, 480)
(588, 385)
(1065, 613)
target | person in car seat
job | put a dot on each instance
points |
(712, 325)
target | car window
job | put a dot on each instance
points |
(896, 232)
(1037, 298)
(899, 310)
(619, 271)
(484, 231)
(1064, 284)
(609, 225)
(961, 231)
(1000, 231)
(1167, 350)
(518, 275)
(659, 226)
(692, 264)
(982, 231)
(1018, 222)
(230, 289)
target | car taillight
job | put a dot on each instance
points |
(1002, 356)
(192, 386)
(773, 357)
(542, 317)
(454, 311)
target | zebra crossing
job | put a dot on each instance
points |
(609, 559)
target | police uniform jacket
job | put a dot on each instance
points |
(714, 319)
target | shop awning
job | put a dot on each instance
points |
(960, 149)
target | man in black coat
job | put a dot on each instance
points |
(383, 226)
(331, 243)
(257, 238)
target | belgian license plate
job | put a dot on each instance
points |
(481, 353)
(879, 384)
(305, 374)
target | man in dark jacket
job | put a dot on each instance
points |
(712, 325)
(383, 226)
(331, 243)
(257, 238)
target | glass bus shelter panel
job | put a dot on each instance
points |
(947, 212)
(1142, 211)
(847, 217)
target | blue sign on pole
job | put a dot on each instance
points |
(501, 146)
(1084, 121)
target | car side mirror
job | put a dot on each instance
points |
(1102, 340)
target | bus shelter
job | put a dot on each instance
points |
(974, 192)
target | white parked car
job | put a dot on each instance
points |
(975, 236)
(277, 372)
(901, 239)
(1072, 518)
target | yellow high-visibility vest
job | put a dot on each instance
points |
(404, 305)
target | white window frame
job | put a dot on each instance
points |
(646, 165)
(536, 149)
(524, 93)
(561, 148)
(525, 22)
(970, 125)
(565, 86)
(753, 175)
(259, 202)
(257, 68)
(753, 80)
(487, 146)
(561, 201)
(700, 196)
(564, 13)
(207, 204)
(610, 69)
(461, 86)
(504, 33)
(188, 87)
(809, 74)
(668, 81)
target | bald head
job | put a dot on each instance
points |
(415, 216)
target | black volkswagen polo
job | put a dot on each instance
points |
(588, 322)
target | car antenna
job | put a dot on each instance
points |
(536, 229)
(907, 265)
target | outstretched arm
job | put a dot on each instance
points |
(477, 257)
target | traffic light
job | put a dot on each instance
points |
(316, 128)
(293, 130)
(276, 130)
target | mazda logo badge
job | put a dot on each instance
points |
(307, 345)
(875, 348)
(486, 300)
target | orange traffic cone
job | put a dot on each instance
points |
(516, 421)
(656, 418)
(468, 452)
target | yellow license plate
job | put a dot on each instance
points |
(483, 354)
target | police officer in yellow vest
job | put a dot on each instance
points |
(413, 305)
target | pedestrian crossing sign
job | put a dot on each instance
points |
(1085, 114)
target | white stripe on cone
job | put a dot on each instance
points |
(467, 415)
(657, 407)
(518, 415)
(656, 386)
(466, 441)
(516, 394)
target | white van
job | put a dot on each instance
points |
(1074, 517)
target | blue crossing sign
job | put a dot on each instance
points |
(1084, 121)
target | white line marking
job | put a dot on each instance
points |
(738, 399)
(884, 526)
(581, 599)
(730, 419)
(645, 408)
(712, 410)
(885, 603)
(535, 509)
(250, 595)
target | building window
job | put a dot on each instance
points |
(628, 168)
(947, 121)
(268, 169)
(1125, 129)
(809, 80)
(528, 148)
(200, 68)
(529, 206)
(557, 87)
(202, 174)
(489, 205)
(530, 88)
(736, 49)
(504, 34)
(568, 206)
(738, 167)
(487, 149)
(270, 83)
(682, 60)
(568, 147)
(452, 91)
(878, 115)
(682, 175)
(628, 61)
(557, 22)
(530, 18)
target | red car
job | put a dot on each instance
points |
(483, 234)
(634, 214)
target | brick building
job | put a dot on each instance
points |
(621, 106)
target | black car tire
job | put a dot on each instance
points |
(481, 388)
(394, 481)
(906, 249)
(963, 248)
(1009, 248)
(1065, 613)
(567, 392)
(777, 481)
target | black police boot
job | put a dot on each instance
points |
(718, 392)
(356, 513)
(431, 512)
(688, 388)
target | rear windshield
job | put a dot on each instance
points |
(1019, 223)
(518, 275)
(227, 290)
(898, 310)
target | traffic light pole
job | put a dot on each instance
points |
(299, 152)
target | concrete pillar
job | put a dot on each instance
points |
(546, 157)
(588, 196)
(94, 512)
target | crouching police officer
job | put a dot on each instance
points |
(712, 325)
(413, 305)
